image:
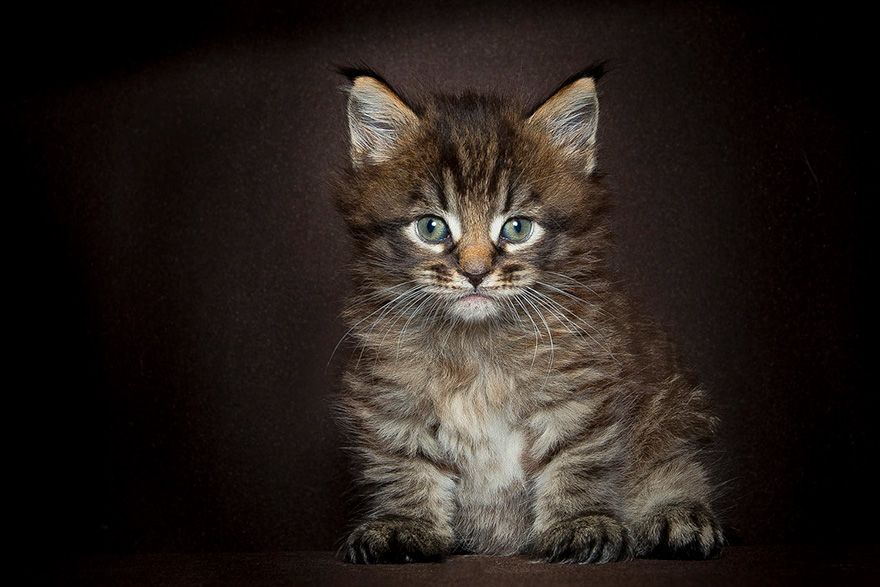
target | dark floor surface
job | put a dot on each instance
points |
(739, 566)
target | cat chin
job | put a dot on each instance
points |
(474, 308)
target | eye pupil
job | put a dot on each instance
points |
(517, 229)
(432, 229)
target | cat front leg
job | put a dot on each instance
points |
(671, 516)
(589, 537)
(576, 518)
(396, 540)
(409, 514)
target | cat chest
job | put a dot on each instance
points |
(485, 446)
(479, 437)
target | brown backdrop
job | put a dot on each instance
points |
(177, 265)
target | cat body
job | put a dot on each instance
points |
(503, 397)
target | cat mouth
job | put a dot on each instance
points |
(474, 305)
(475, 297)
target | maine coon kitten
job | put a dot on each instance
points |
(503, 397)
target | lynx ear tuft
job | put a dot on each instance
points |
(377, 118)
(571, 118)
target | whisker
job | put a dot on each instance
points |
(599, 307)
(360, 300)
(406, 325)
(567, 294)
(573, 280)
(379, 309)
(564, 320)
(578, 319)
(393, 306)
(534, 325)
(562, 306)
(401, 310)
(549, 336)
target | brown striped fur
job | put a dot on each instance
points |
(503, 397)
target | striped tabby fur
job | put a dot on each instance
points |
(503, 398)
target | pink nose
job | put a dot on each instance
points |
(476, 279)
(475, 262)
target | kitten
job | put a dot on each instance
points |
(503, 398)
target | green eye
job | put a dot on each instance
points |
(517, 230)
(432, 229)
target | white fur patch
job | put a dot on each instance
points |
(481, 439)
(478, 434)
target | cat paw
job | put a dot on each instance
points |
(679, 531)
(586, 539)
(396, 540)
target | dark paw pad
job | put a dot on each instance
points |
(396, 540)
(680, 532)
(586, 539)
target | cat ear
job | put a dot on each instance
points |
(377, 118)
(571, 118)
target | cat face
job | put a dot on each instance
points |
(459, 210)
(474, 260)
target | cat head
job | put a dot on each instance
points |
(465, 204)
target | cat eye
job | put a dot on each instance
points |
(432, 229)
(516, 230)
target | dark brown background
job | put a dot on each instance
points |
(177, 265)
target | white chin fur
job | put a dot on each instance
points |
(474, 308)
